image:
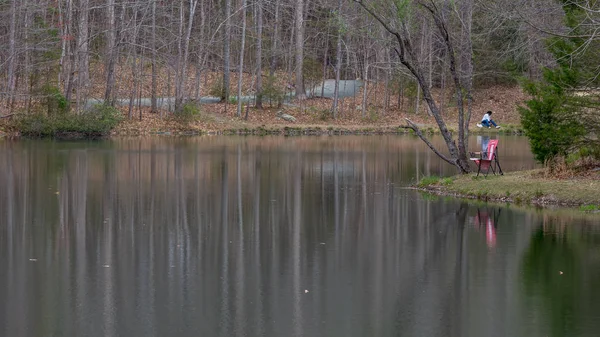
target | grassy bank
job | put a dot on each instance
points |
(522, 187)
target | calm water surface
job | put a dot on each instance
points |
(226, 236)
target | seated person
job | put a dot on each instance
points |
(487, 121)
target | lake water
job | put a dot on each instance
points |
(275, 236)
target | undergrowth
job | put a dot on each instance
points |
(96, 122)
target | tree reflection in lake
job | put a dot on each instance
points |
(561, 274)
(250, 237)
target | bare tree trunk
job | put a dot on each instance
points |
(275, 47)
(338, 61)
(68, 52)
(430, 56)
(388, 77)
(418, 99)
(365, 85)
(198, 77)
(466, 81)
(179, 66)
(400, 94)
(140, 79)
(180, 88)
(111, 52)
(12, 52)
(421, 56)
(154, 84)
(325, 54)
(27, 62)
(300, 92)
(169, 107)
(241, 64)
(259, 29)
(443, 92)
(132, 94)
(83, 66)
(289, 60)
(226, 52)
(201, 59)
(134, 59)
(63, 26)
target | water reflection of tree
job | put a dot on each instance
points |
(560, 277)
(227, 238)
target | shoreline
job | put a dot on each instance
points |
(527, 187)
(530, 188)
(276, 130)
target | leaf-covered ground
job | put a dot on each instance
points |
(316, 112)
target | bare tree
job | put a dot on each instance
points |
(12, 55)
(300, 92)
(83, 66)
(409, 58)
(68, 56)
(259, 41)
(154, 84)
(241, 64)
(338, 55)
(226, 51)
(173, 35)
(184, 50)
(111, 51)
(274, 48)
(465, 80)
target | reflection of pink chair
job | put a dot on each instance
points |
(490, 233)
(488, 159)
(484, 220)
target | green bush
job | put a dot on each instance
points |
(98, 121)
(34, 125)
(55, 102)
(552, 129)
(189, 112)
(272, 93)
(559, 119)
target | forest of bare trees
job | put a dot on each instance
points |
(67, 54)
(110, 49)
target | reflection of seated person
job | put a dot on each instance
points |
(484, 145)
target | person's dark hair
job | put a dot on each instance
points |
(489, 112)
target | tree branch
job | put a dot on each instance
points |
(416, 129)
(545, 31)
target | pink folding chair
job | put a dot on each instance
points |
(487, 160)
